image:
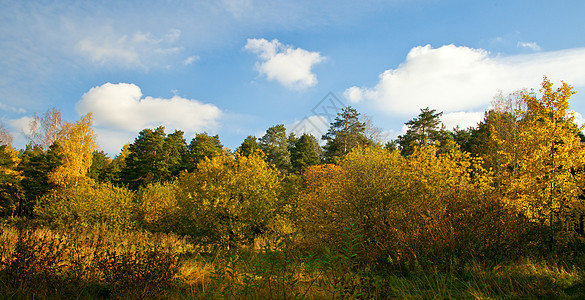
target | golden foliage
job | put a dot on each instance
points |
(229, 199)
(76, 146)
(8, 168)
(316, 208)
(403, 207)
(544, 162)
(157, 207)
(89, 205)
(10, 178)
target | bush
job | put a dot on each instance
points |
(157, 207)
(88, 205)
(229, 200)
(426, 210)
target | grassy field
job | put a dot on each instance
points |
(41, 263)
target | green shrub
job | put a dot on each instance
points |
(229, 200)
(89, 205)
(157, 207)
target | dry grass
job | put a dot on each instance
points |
(51, 264)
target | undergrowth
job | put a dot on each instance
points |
(41, 263)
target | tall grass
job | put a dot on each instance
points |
(41, 263)
(62, 265)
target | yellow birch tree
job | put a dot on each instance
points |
(548, 158)
(76, 145)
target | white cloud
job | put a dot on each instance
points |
(532, 46)
(112, 141)
(21, 125)
(291, 67)
(122, 107)
(137, 50)
(313, 125)
(452, 78)
(354, 94)
(462, 119)
(20, 128)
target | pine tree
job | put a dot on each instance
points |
(202, 145)
(275, 145)
(305, 153)
(249, 145)
(345, 133)
(425, 129)
(35, 167)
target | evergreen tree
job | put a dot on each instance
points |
(478, 141)
(114, 169)
(275, 145)
(291, 141)
(153, 157)
(249, 146)
(202, 145)
(305, 153)
(174, 151)
(345, 133)
(100, 167)
(35, 166)
(425, 129)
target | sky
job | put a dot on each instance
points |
(235, 68)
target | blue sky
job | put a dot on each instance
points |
(235, 68)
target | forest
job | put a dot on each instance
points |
(491, 211)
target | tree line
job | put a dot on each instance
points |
(510, 185)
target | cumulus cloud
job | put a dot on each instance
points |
(20, 129)
(112, 141)
(139, 49)
(452, 78)
(21, 125)
(313, 125)
(291, 67)
(461, 119)
(354, 94)
(122, 108)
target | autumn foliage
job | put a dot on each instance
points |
(229, 200)
(512, 187)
